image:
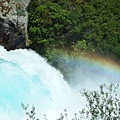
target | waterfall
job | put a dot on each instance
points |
(26, 77)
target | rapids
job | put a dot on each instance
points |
(26, 77)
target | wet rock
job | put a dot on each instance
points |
(11, 36)
(13, 23)
(18, 42)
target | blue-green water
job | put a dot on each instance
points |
(26, 77)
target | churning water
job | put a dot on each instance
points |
(26, 77)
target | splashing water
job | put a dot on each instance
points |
(26, 77)
(92, 72)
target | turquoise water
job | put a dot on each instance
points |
(26, 77)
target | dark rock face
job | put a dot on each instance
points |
(13, 24)
(11, 37)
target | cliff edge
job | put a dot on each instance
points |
(13, 23)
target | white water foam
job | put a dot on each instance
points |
(26, 77)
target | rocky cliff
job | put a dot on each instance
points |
(13, 23)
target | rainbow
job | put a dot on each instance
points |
(90, 68)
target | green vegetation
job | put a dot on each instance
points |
(79, 26)
(103, 104)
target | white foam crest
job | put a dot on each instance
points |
(27, 77)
